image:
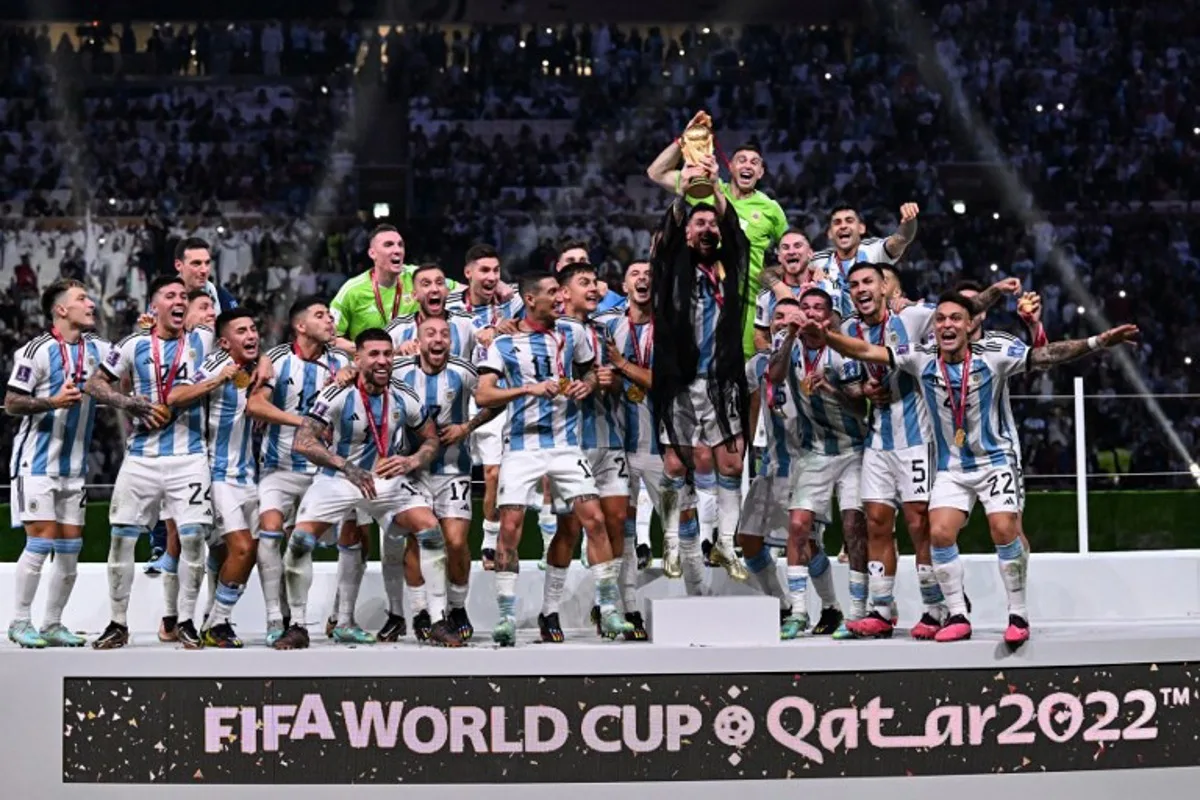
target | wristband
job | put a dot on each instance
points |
(1093, 343)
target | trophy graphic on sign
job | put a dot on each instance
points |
(697, 146)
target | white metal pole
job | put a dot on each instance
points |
(1081, 496)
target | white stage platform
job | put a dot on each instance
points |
(1099, 704)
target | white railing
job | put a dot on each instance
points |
(1080, 475)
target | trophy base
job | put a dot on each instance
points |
(699, 189)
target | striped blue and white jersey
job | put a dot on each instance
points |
(778, 404)
(601, 423)
(706, 309)
(393, 412)
(905, 421)
(54, 444)
(133, 357)
(824, 423)
(990, 432)
(527, 357)
(294, 385)
(229, 430)
(446, 396)
(490, 315)
(640, 432)
(764, 306)
(462, 332)
(870, 251)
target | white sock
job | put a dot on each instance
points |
(645, 512)
(690, 556)
(765, 575)
(225, 598)
(605, 576)
(298, 573)
(433, 569)
(821, 577)
(29, 574)
(628, 575)
(349, 581)
(170, 579)
(881, 588)
(120, 572)
(212, 571)
(729, 508)
(62, 580)
(548, 525)
(456, 595)
(506, 594)
(797, 575)
(949, 570)
(672, 491)
(191, 573)
(419, 598)
(270, 572)
(931, 594)
(1014, 563)
(491, 534)
(552, 589)
(858, 595)
(392, 567)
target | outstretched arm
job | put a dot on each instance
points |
(991, 295)
(1061, 352)
(260, 407)
(664, 170)
(849, 346)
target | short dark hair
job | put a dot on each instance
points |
(371, 335)
(226, 318)
(303, 304)
(701, 208)
(842, 207)
(750, 147)
(786, 301)
(955, 297)
(54, 292)
(571, 270)
(572, 244)
(631, 264)
(794, 232)
(860, 266)
(530, 280)
(196, 294)
(161, 282)
(481, 250)
(190, 243)
(426, 268)
(384, 228)
(968, 286)
(813, 291)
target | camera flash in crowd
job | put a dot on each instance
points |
(1081, 310)
(1187, 360)
(1038, 108)
(1060, 106)
(995, 267)
(1121, 294)
(828, 76)
(995, 215)
(959, 207)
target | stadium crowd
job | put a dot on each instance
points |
(526, 137)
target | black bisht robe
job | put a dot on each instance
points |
(676, 353)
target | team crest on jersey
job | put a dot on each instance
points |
(33, 505)
(191, 354)
(395, 415)
(756, 216)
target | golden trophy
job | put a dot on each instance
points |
(697, 146)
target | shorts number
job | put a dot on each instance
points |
(583, 465)
(622, 467)
(918, 471)
(459, 490)
(83, 497)
(195, 499)
(994, 489)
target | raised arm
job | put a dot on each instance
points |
(904, 235)
(664, 170)
(1061, 352)
(849, 346)
(190, 394)
(991, 295)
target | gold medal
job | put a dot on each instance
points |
(635, 394)
(242, 379)
(163, 408)
(806, 386)
(563, 383)
(960, 437)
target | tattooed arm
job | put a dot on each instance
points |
(1061, 352)
(100, 387)
(991, 295)
(18, 404)
(904, 235)
(309, 444)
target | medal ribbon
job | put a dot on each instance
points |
(379, 431)
(396, 298)
(711, 275)
(330, 364)
(640, 358)
(65, 352)
(811, 366)
(493, 308)
(876, 371)
(560, 344)
(165, 384)
(958, 408)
